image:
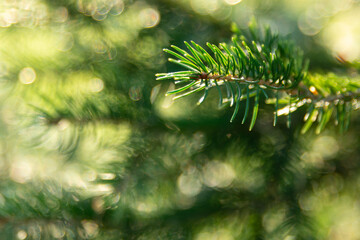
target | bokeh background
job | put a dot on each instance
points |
(90, 147)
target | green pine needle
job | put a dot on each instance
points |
(269, 63)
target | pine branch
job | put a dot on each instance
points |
(256, 63)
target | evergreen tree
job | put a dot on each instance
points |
(93, 147)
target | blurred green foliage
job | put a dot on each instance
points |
(90, 147)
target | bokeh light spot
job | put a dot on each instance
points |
(3, 21)
(98, 16)
(107, 176)
(21, 234)
(135, 93)
(146, 207)
(61, 14)
(189, 183)
(104, 189)
(149, 17)
(326, 146)
(65, 41)
(96, 85)
(90, 227)
(57, 231)
(27, 75)
(342, 36)
(232, 2)
(313, 159)
(98, 205)
(11, 16)
(154, 93)
(218, 174)
(103, 7)
(309, 25)
(63, 124)
(205, 7)
(21, 171)
(99, 46)
(118, 7)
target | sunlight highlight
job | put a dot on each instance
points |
(27, 75)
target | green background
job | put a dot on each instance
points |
(90, 147)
